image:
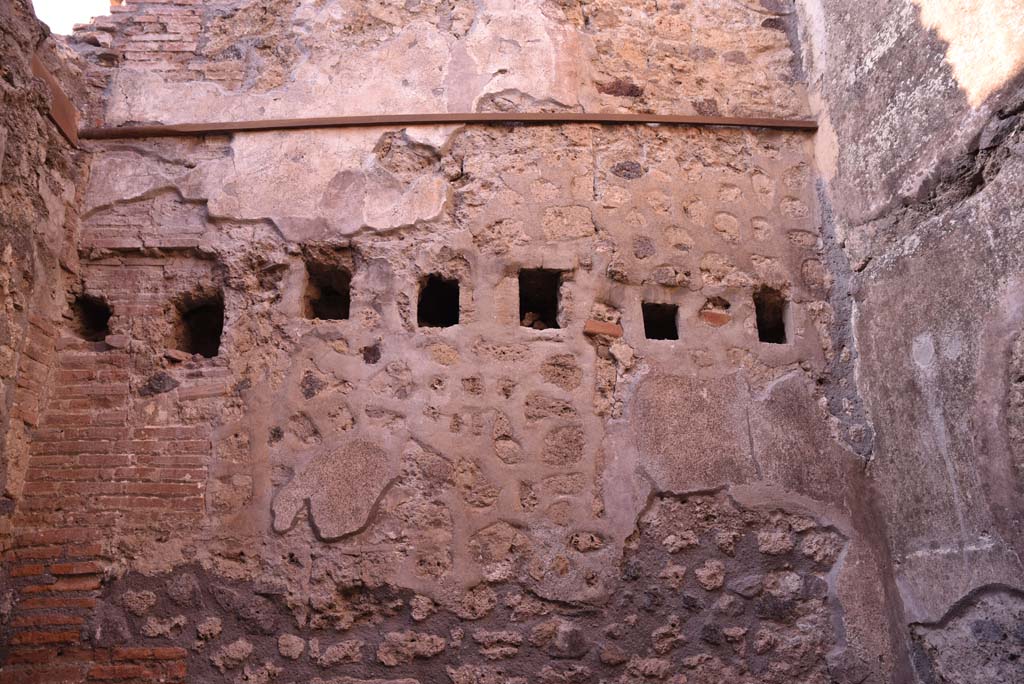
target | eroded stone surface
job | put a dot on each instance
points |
(321, 483)
(693, 434)
(920, 206)
(340, 487)
(980, 641)
(453, 56)
(743, 613)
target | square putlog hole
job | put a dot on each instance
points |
(770, 309)
(199, 327)
(438, 305)
(328, 295)
(660, 321)
(91, 317)
(539, 297)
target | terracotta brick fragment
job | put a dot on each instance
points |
(86, 568)
(67, 584)
(46, 620)
(714, 317)
(28, 570)
(116, 672)
(41, 637)
(142, 653)
(60, 603)
(593, 328)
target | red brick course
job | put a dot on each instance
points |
(108, 470)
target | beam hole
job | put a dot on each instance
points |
(438, 305)
(661, 321)
(328, 295)
(91, 317)
(770, 309)
(199, 326)
(539, 298)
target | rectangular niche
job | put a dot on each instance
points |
(328, 295)
(438, 302)
(770, 308)
(91, 317)
(199, 325)
(539, 293)
(661, 321)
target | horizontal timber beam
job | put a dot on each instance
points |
(175, 130)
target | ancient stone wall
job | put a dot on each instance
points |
(38, 218)
(920, 153)
(482, 404)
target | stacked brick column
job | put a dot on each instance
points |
(94, 470)
(33, 371)
(161, 34)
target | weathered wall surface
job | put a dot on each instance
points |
(232, 60)
(373, 498)
(38, 218)
(921, 153)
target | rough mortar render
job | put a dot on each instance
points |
(449, 403)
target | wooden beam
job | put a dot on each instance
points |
(62, 110)
(175, 130)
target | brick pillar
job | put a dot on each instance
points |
(91, 473)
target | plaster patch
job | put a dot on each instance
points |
(341, 487)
